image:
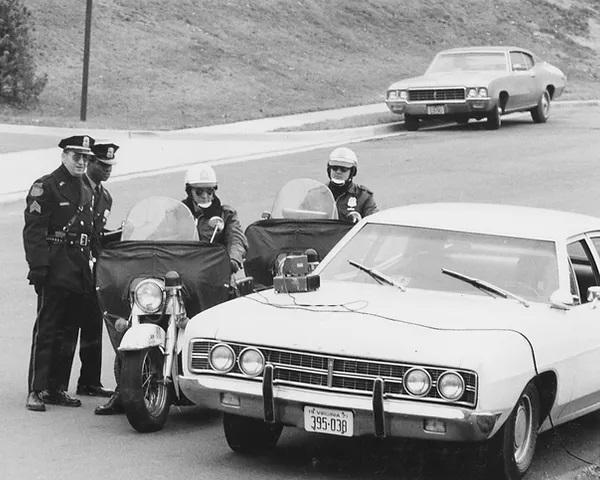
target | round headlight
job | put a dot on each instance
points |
(482, 92)
(392, 94)
(251, 362)
(148, 296)
(417, 382)
(221, 358)
(471, 92)
(403, 94)
(451, 386)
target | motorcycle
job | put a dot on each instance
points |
(149, 284)
(303, 221)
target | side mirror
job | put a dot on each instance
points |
(217, 224)
(561, 300)
(593, 295)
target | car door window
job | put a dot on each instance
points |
(517, 62)
(528, 60)
(584, 268)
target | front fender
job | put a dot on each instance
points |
(142, 336)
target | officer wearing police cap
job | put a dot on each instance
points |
(353, 201)
(57, 233)
(90, 341)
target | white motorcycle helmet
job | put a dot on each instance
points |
(343, 157)
(201, 176)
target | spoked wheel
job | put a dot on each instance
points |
(145, 396)
(250, 435)
(512, 448)
(541, 112)
(494, 119)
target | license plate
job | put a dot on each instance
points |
(328, 420)
(436, 110)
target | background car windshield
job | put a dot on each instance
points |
(468, 61)
(415, 256)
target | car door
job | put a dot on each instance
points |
(583, 341)
(522, 84)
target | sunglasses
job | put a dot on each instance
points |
(336, 168)
(200, 190)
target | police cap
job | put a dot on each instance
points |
(78, 143)
(105, 152)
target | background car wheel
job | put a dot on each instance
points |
(250, 435)
(512, 448)
(494, 118)
(541, 112)
(411, 123)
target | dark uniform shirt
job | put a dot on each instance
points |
(102, 203)
(354, 198)
(58, 230)
(232, 236)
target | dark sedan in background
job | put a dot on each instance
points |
(478, 82)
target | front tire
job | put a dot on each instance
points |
(541, 112)
(494, 119)
(512, 448)
(411, 123)
(250, 435)
(145, 396)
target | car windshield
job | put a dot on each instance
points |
(414, 257)
(468, 61)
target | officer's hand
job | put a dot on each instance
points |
(354, 216)
(37, 277)
(235, 266)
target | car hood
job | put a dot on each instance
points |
(354, 319)
(448, 79)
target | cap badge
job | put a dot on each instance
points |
(352, 202)
(110, 153)
(86, 142)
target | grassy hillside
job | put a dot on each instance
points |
(177, 63)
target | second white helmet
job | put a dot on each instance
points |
(343, 157)
(201, 176)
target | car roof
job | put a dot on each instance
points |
(492, 219)
(489, 48)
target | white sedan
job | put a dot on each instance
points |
(449, 322)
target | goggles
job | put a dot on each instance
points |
(337, 168)
(207, 190)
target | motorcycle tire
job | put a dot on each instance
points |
(146, 398)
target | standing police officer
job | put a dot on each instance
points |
(90, 342)
(57, 233)
(353, 201)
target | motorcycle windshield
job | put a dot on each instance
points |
(160, 219)
(304, 199)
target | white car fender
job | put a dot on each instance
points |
(142, 336)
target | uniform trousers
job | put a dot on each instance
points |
(90, 343)
(54, 338)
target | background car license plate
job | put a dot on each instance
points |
(436, 109)
(328, 420)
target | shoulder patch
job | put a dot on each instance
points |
(37, 190)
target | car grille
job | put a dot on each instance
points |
(436, 94)
(335, 373)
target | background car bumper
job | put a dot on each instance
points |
(401, 418)
(473, 107)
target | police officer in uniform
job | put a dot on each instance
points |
(57, 233)
(90, 342)
(353, 201)
(200, 187)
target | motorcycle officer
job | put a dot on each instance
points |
(200, 187)
(353, 201)
(56, 237)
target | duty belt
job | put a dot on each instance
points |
(71, 239)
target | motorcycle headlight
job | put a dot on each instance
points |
(482, 92)
(251, 362)
(149, 295)
(417, 382)
(221, 358)
(451, 386)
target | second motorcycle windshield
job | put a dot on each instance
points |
(160, 219)
(304, 199)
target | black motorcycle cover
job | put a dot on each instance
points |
(204, 270)
(267, 239)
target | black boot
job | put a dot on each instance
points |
(112, 407)
(60, 397)
(35, 402)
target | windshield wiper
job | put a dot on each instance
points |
(377, 275)
(486, 286)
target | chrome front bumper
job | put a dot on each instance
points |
(373, 415)
(475, 107)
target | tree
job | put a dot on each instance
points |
(19, 84)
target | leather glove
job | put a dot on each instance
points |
(354, 216)
(37, 277)
(234, 265)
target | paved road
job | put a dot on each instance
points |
(553, 165)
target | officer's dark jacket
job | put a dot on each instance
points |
(232, 236)
(355, 198)
(58, 212)
(102, 206)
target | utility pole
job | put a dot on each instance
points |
(86, 60)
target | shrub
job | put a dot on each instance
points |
(19, 84)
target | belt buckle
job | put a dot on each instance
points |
(84, 240)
